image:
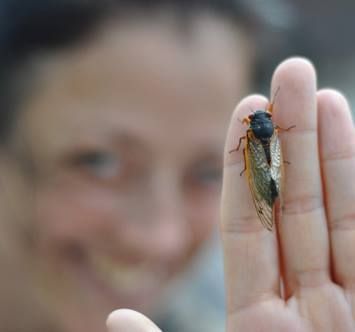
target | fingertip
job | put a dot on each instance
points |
(124, 320)
(298, 62)
(336, 130)
(236, 129)
(294, 70)
(248, 104)
(332, 100)
(115, 318)
(296, 102)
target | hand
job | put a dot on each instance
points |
(126, 320)
(313, 250)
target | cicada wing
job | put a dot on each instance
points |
(259, 178)
(276, 165)
(277, 168)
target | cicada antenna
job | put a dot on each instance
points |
(275, 94)
(270, 106)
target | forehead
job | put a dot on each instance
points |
(142, 76)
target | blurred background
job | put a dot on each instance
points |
(112, 120)
(318, 31)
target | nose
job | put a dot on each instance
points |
(171, 229)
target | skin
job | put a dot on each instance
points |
(314, 246)
(121, 139)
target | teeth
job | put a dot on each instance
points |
(123, 276)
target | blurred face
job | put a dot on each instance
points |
(124, 136)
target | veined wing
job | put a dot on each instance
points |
(276, 161)
(277, 166)
(260, 180)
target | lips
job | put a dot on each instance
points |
(121, 284)
(122, 276)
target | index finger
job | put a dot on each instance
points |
(250, 251)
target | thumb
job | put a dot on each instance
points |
(126, 320)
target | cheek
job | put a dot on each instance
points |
(80, 215)
(93, 219)
(99, 219)
(203, 212)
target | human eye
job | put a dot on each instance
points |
(205, 174)
(100, 164)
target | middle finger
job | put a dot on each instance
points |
(303, 227)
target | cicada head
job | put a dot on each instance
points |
(261, 124)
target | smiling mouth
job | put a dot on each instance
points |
(120, 275)
(124, 284)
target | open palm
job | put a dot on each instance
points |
(300, 277)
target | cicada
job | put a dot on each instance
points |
(263, 162)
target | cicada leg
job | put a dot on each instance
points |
(240, 143)
(237, 149)
(283, 129)
(287, 129)
(270, 106)
(245, 163)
